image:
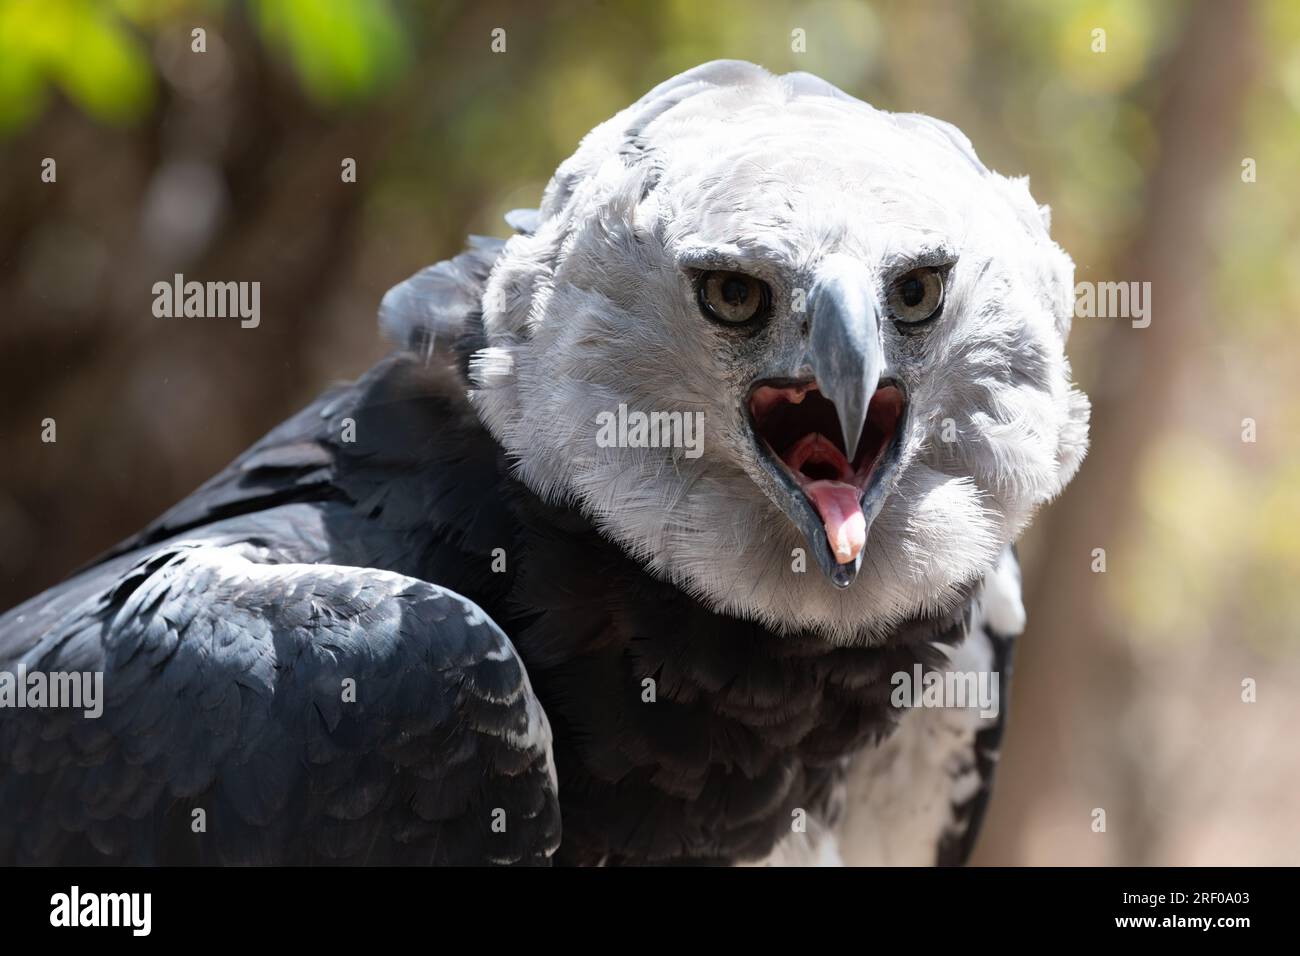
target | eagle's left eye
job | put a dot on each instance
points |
(733, 297)
(917, 296)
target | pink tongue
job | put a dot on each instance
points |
(846, 525)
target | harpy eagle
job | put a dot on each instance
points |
(433, 618)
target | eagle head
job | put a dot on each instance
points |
(802, 357)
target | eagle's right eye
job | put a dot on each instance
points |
(733, 297)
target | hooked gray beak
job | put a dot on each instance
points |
(844, 349)
(832, 440)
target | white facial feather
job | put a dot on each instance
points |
(594, 309)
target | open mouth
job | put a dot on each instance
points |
(801, 430)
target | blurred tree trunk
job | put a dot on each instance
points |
(1068, 754)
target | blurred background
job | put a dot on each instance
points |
(1172, 157)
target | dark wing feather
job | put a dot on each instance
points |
(224, 691)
